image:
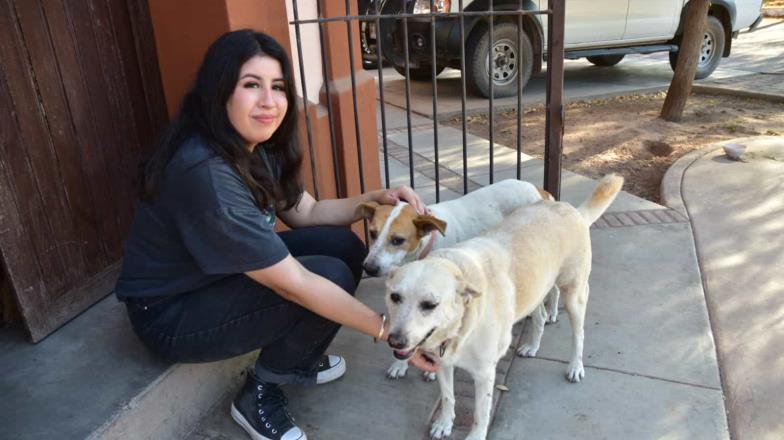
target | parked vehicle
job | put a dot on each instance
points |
(602, 31)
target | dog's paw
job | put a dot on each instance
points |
(528, 350)
(441, 428)
(428, 376)
(552, 317)
(397, 370)
(575, 372)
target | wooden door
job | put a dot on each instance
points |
(80, 100)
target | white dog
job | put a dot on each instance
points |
(459, 304)
(399, 235)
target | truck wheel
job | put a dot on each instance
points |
(424, 73)
(711, 50)
(605, 60)
(508, 60)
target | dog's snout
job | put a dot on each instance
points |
(371, 269)
(397, 341)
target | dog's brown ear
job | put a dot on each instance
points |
(545, 195)
(427, 223)
(469, 292)
(466, 289)
(366, 210)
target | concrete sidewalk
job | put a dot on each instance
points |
(736, 209)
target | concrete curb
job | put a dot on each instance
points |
(719, 90)
(670, 188)
(171, 406)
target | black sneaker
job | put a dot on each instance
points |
(330, 368)
(260, 408)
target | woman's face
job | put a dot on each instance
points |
(258, 104)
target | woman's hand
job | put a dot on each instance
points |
(424, 362)
(393, 195)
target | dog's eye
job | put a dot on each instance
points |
(397, 241)
(395, 297)
(373, 235)
(427, 305)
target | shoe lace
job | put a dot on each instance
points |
(273, 410)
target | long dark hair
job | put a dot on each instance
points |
(203, 113)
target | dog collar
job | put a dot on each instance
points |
(429, 245)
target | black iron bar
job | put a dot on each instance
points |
(325, 74)
(354, 99)
(519, 62)
(424, 15)
(408, 101)
(463, 98)
(554, 118)
(435, 99)
(305, 102)
(490, 70)
(381, 102)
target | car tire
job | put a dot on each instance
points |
(605, 60)
(419, 73)
(506, 47)
(711, 50)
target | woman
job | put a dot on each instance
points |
(205, 276)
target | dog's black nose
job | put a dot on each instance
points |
(371, 269)
(397, 341)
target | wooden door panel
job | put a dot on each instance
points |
(81, 101)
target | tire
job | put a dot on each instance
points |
(424, 73)
(711, 50)
(605, 60)
(507, 55)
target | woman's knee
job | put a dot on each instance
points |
(331, 268)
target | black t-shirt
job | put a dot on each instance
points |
(203, 224)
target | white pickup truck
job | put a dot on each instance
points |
(603, 31)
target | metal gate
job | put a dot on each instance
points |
(371, 20)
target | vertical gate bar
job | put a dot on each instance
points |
(490, 69)
(519, 92)
(381, 102)
(325, 70)
(554, 117)
(463, 96)
(356, 104)
(305, 101)
(435, 96)
(408, 98)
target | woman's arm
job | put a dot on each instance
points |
(292, 281)
(310, 212)
(289, 279)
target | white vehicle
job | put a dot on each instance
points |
(603, 31)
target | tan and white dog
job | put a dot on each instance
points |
(399, 235)
(459, 304)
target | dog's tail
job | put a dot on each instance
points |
(604, 194)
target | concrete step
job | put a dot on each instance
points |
(93, 379)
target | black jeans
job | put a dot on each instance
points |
(236, 315)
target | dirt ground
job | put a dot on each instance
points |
(626, 136)
(773, 3)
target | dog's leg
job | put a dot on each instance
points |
(552, 305)
(397, 369)
(533, 337)
(484, 381)
(442, 424)
(575, 306)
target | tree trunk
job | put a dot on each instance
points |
(688, 55)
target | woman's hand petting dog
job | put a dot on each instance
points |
(405, 193)
(424, 362)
